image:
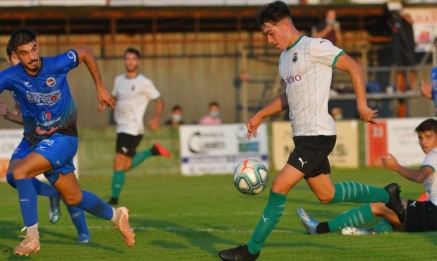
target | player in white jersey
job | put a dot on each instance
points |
(132, 93)
(421, 215)
(305, 67)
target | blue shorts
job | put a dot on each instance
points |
(59, 150)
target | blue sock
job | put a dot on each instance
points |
(28, 201)
(41, 188)
(94, 205)
(78, 217)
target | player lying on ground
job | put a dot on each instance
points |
(49, 115)
(421, 216)
(305, 67)
(76, 214)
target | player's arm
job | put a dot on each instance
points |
(277, 105)
(347, 64)
(159, 107)
(416, 175)
(14, 117)
(86, 56)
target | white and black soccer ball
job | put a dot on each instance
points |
(251, 177)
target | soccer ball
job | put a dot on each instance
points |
(251, 177)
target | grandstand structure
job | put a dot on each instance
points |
(192, 53)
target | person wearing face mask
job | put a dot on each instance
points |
(213, 115)
(176, 117)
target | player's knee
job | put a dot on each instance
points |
(19, 173)
(279, 188)
(72, 200)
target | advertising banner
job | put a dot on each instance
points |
(218, 149)
(394, 136)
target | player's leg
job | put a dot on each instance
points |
(32, 165)
(283, 183)
(156, 150)
(77, 216)
(70, 191)
(125, 149)
(41, 188)
(350, 191)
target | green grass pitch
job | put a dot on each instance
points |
(192, 218)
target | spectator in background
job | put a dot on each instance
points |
(213, 115)
(429, 89)
(403, 51)
(176, 117)
(329, 29)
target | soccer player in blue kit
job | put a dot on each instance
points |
(76, 214)
(49, 115)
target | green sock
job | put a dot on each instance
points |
(271, 216)
(384, 227)
(117, 183)
(140, 157)
(352, 218)
(349, 191)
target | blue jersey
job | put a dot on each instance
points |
(434, 86)
(45, 100)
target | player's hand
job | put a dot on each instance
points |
(390, 162)
(367, 114)
(252, 126)
(105, 98)
(426, 89)
(154, 124)
(100, 107)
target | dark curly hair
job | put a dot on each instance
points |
(272, 13)
(21, 37)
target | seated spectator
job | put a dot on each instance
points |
(213, 113)
(176, 117)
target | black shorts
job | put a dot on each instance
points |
(421, 216)
(127, 144)
(310, 154)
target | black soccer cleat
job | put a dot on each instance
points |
(113, 201)
(395, 202)
(240, 253)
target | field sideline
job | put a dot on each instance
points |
(192, 218)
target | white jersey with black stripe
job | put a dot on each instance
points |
(306, 72)
(133, 96)
(431, 181)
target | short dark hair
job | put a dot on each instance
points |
(134, 51)
(9, 49)
(176, 107)
(427, 125)
(272, 13)
(21, 37)
(213, 104)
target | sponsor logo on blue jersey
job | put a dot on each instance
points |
(72, 55)
(51, 82)
(44, 99)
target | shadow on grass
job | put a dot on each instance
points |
(197, 237)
